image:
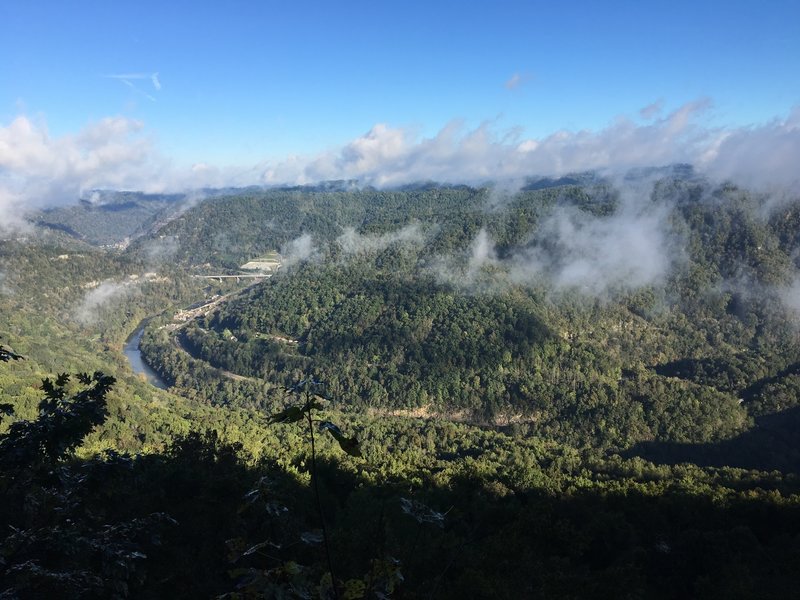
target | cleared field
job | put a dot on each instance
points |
(271, 261)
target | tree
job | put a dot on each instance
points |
(7, 355)
(64, 421)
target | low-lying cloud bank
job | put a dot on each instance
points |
(106, 294)
(351, 242)
(572, 250)
(575, 250)
(37, 169)
(299, 250)
(758, 156)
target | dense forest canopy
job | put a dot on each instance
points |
(653, 308)
(593, 379)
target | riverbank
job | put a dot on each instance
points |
(134, 356)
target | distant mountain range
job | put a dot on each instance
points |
(115, 218)
(111, 217)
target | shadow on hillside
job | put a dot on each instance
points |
(772, 444)
(167, 526)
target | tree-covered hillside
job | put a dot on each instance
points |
(605, 313)
(585, 388)
(109, 218)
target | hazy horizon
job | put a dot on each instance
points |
(163, 99)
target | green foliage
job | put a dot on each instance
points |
(63, 423)
(307, 389)
(7, 355)
(489, 413)
(112, 217)
(293, 414)
(349, 444)
(410, 327)
(479, 512)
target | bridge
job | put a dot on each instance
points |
(236, 277)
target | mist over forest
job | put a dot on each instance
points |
(370, 301)
(581, 385)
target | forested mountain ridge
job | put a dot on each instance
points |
(109, 217)
(608, 313)
(657, 307)
(503, 360)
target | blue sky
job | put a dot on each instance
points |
(244, 85)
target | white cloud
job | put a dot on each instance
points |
(629, 249)
(573, 250)
(299, 250)
(790, 295)
(37, 169)
(351, 242)
(5, 289)
(105, 294)
(387, 156)
(517, 80)
(129, 78)
(513, 81)
(482, 251)
(767, 156)
(652, 110)
(467, 270)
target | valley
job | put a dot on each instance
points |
(607, 370)
(400, 301)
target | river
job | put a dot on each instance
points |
(134, 356)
